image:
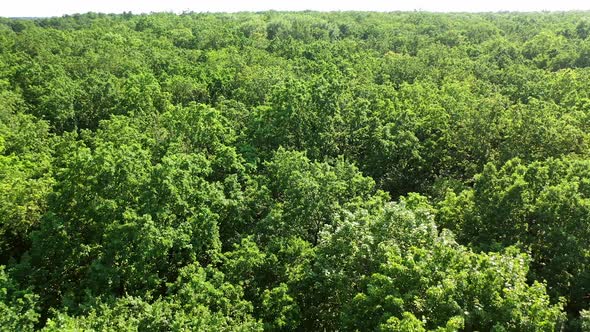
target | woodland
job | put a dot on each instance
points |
(295, 171)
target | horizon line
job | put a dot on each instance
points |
(186, 12)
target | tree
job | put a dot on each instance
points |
(18, 307)
(542, 207)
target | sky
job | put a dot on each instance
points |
(44, 8)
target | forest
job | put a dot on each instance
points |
(295, 171)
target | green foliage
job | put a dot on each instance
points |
(295, 171)
(451, 287)
(308, 195)
(280, 309)
(197, 302)
(18, 308)
(541, 207)
(379, 272)
(584, 320)
(25, 179)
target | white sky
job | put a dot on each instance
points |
(39, 8)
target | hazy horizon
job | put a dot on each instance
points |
(29, 8)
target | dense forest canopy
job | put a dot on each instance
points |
(295, 172)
